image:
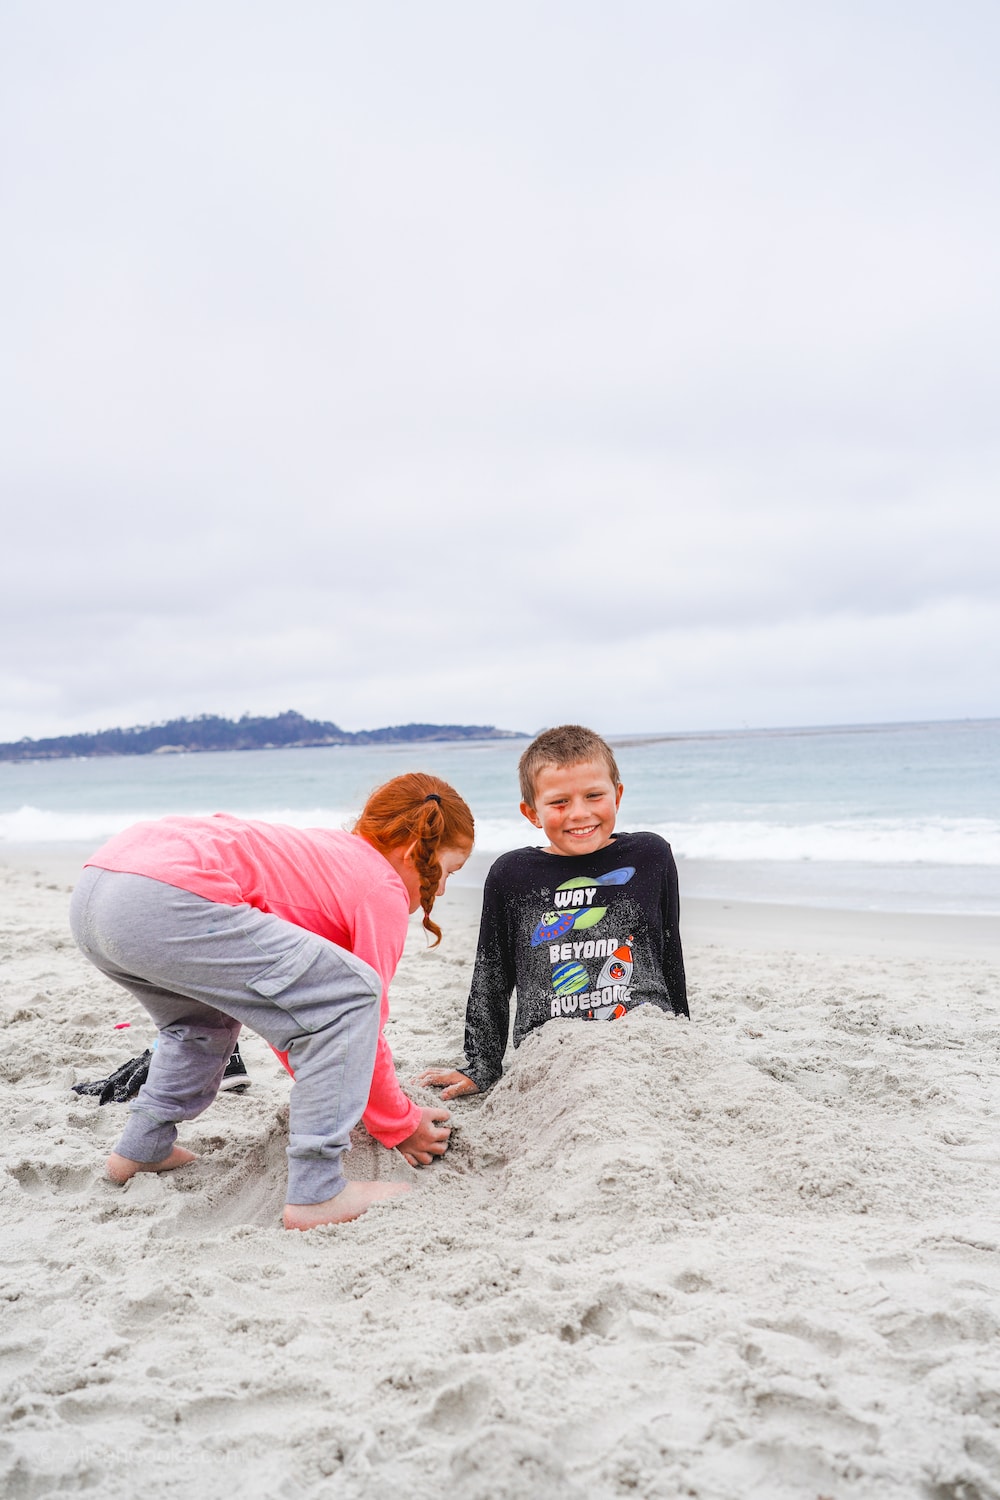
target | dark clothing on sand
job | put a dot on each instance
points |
(588, 935)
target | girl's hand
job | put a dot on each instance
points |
(430, 1138)
(449, 1080)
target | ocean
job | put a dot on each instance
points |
(901, 817)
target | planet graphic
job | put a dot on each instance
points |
(569, 979)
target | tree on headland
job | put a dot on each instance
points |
(208, 732)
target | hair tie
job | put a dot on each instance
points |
(433, 797)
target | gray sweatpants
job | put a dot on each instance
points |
(202, 970)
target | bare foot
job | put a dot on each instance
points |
(356, 1199)
(121, 1168)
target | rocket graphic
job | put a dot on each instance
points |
(618, 969)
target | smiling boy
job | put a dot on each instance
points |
(586, 927)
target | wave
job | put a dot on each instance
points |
(884, 841)
(38, 825)
(932, 841)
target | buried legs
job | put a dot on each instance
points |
(202, 970)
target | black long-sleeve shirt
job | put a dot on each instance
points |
(586, 935)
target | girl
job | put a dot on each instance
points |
(214, 923)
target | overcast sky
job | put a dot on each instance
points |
(633, 363)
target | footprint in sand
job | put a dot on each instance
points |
(44, 1179)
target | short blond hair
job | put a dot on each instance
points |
(567, 745)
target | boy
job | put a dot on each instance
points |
(586, 927)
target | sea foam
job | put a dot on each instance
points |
(40, 825)
(932, 841)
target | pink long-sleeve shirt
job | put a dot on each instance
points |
(331, 883)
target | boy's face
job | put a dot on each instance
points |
(575, 807)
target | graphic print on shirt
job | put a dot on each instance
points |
(577, 908)
(618, 969)
(573, 902)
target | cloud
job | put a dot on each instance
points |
(458, 364)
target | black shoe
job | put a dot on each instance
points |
(123, 1084)
(236, 1076)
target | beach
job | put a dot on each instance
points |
(757, 1254)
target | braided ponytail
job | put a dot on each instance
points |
(424, 811)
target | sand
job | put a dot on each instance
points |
(757, 1255)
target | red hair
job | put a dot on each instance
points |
(425, 811)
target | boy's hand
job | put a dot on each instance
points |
(430, 1138)
(449, 1080)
